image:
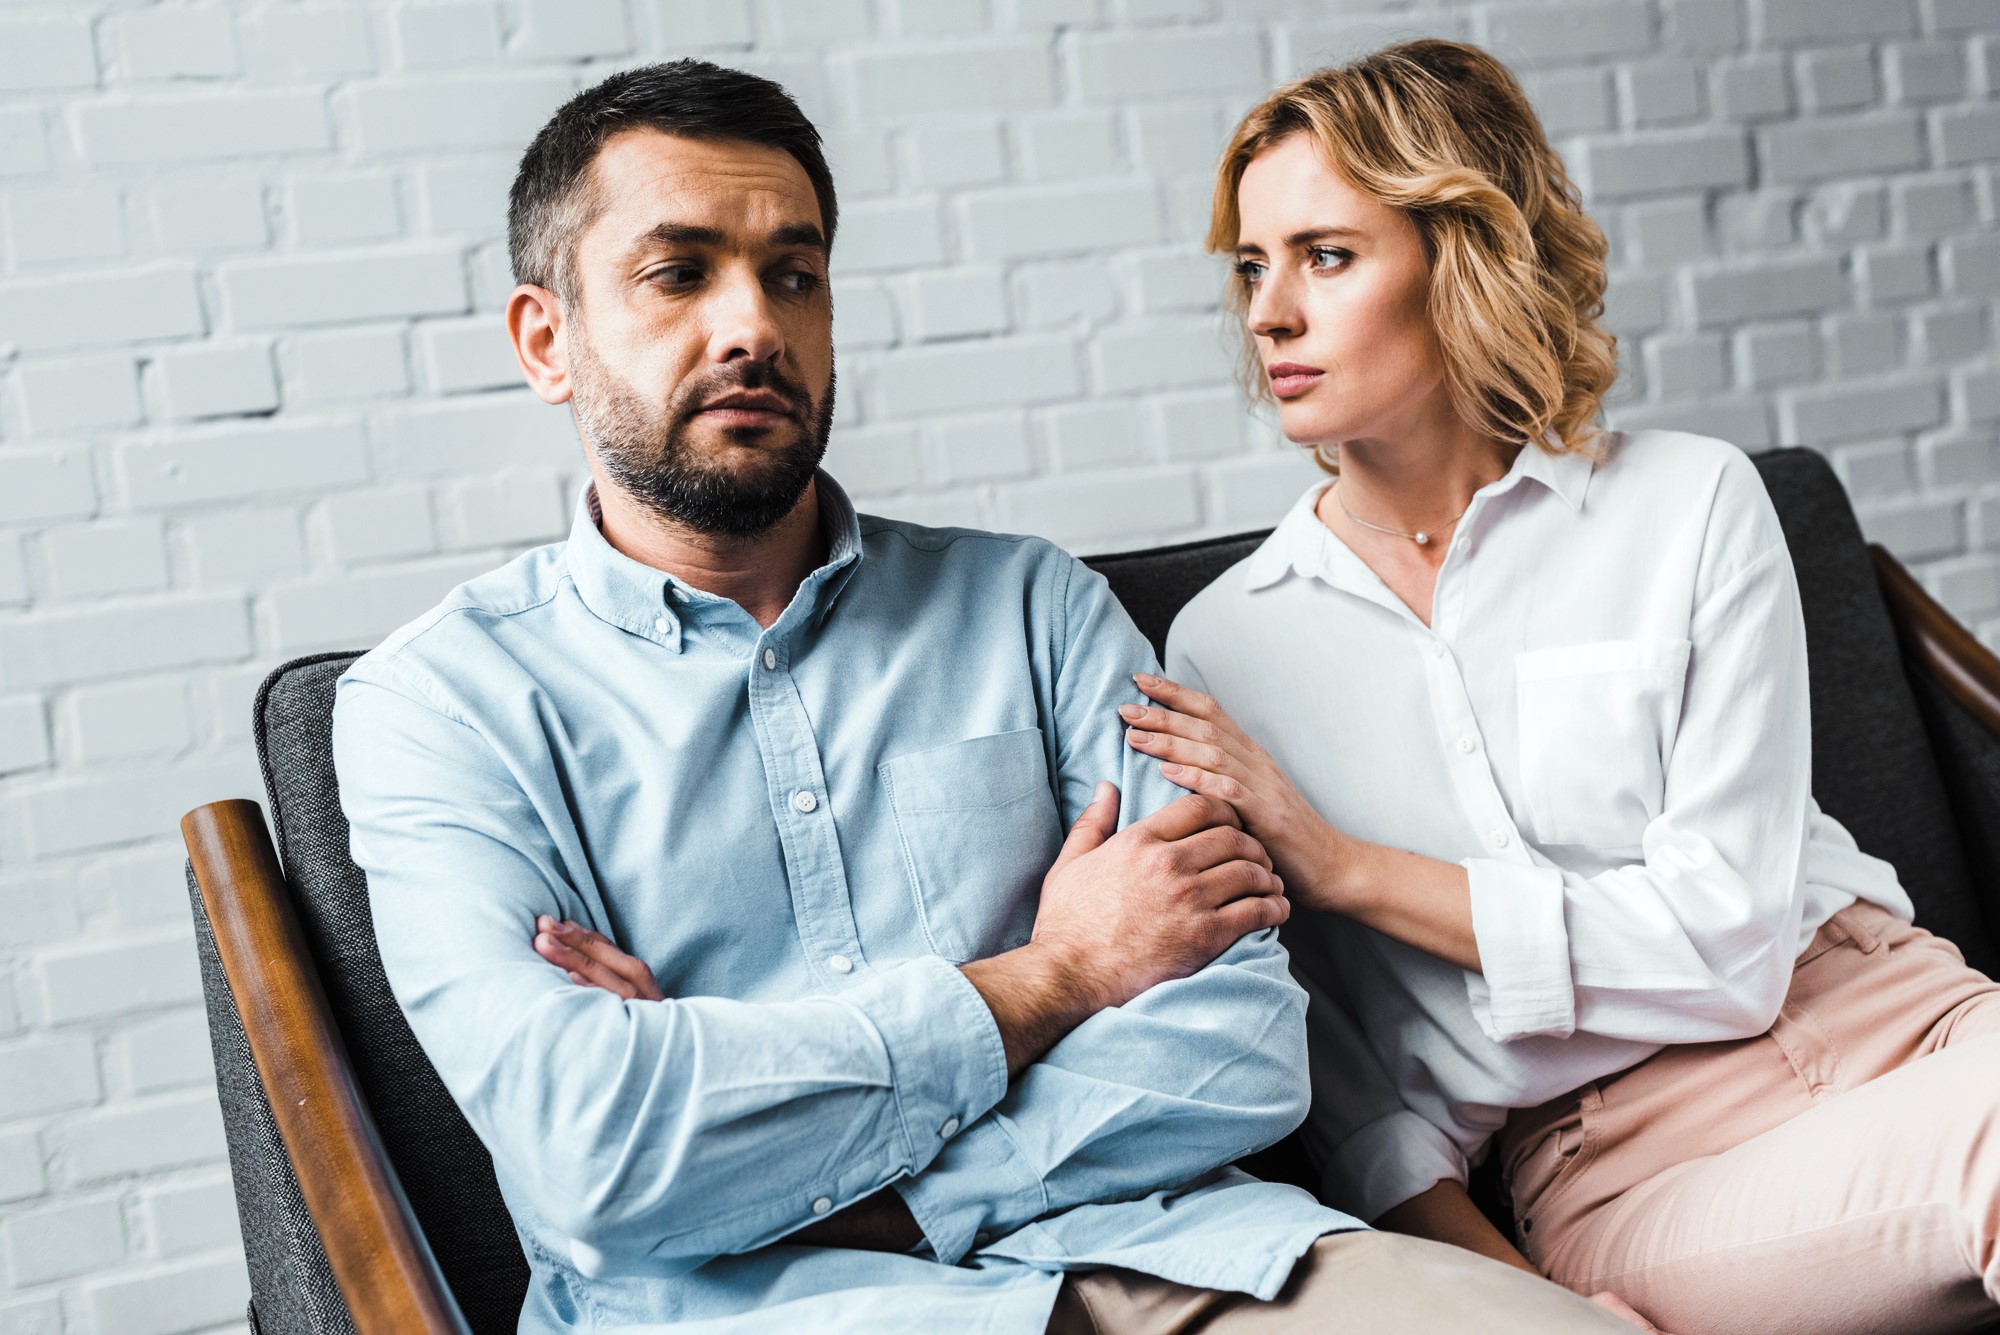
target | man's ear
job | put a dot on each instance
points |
(534, 322)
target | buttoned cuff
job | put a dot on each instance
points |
(1389, 1161)
(1524, 987)
(978, 1180)
(946, 1061)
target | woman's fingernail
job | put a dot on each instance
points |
(1170, 769)
(1133, 734)
(1131, 711)
(1145, 679)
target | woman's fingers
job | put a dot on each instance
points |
(1612, 1303)
(591, 954)
(1176, 696)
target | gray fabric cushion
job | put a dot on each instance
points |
(1873, 769)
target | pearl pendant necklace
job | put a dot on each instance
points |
(1422, 537)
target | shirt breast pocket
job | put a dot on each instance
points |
(979, 828)
(1597, 722)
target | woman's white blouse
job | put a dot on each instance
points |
(1606, 724)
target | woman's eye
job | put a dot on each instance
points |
(1249, 272)
(1329, 257)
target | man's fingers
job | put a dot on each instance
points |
(1241, 917)
(1238, 880)
(1184, 816)
(1098, 822)
(1218, 845)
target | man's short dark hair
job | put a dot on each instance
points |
(552, 203)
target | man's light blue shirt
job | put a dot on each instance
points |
(802, 830)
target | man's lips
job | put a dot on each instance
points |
(748, 407)
(1290, 379)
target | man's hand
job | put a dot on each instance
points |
(591, 960)
(1123, 911)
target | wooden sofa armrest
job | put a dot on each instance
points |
(1968, 671)
(379, 1257)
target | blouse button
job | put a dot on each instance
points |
(1466, 746)
(1500, 836)
(1437, 649)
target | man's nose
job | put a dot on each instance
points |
(742, 322)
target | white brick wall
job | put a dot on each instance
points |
(254, 400)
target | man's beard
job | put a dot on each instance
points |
(648, 453)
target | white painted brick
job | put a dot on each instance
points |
(1777, 354)
(438, 36)
(32, 1316)
(889, 234)
(60, 223)
(1864, 344)
(1968, 134)
(21, 1172)
(472, 437)
(306, 41)
(1665, 162)
(1950, 334)
(110, 556)
(1761, 220)
(351, 206)
(356, 611)
(1572, 101)
(192, 1216)
(13, 571)
(1840, 215)
(1575, 31)
(167, 1051)
(1827, 147)
(693, 24)
(24, 745)
(1069, 145)
(488, 111)
(860, 162)
(24, 146)
(1162, 355)
(1660, 92)
(1063, 294)
(1837, 80)
(513, 508)
(993, 373)
(1924, 72)
(1255, 493)
(1934, 206)
(469, 194)
(245, 547)
(1687, 366)
(1958, 459)
(146, 887)
(59, 1241)
(237, 461)
(53, 648)
(46, 52)
(1876, 468)
(1047, 13)
(1207, 424)
(1914, 530)
(1306, 46)
(1042, 221)
(467, 354)
(1705, 27)
(1173, 280)
(1832, 20)
(337, 364)
(1099, 511)
(1176, 138)
(1752, 88)
(1977, 392)
(363, 285)
(47, 1074)
(871, 460)
(167, 1301)
(1970, 586)
(952, 304)
(38, 907)
(571, 29)
(947, 155)
(127, 720)
(204, 126)
(205, 212)
(1853, 410)
(71, 395)
(1972, 265)
(1669, 231)
(863, 316)
(1095, 434)
(1634, 303)
(1765, 290)
(183, 42)
(1986, 65)
(939, 18)
(1965, 16)
(95, 309)
(1742, 421)
(45, 484)
(1170, 64)
(72, 816)
(1889, 274)
(216, 379)
(1002, 75)
(978, 449)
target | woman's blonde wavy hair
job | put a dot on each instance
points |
(1441, 131)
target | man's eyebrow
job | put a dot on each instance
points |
(799, 234)
(682, 234)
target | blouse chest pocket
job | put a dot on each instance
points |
(1597, 722)
(978, 826)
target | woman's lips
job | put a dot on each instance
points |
(1289, 379)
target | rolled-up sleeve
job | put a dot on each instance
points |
(681, 1129)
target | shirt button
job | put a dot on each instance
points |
(1466, 746)
(770, 659)
(663, 626)
(803, 800)
(677, 593)
(822, 1205)
(949, 1129)
(840, 964)
(1500, 836)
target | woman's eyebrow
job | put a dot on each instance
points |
(1313, 234)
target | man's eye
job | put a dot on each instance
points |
(1329, 257)
(1248, 272)
(677, 275)
(800, 281)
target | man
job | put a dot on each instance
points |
(914, 1057)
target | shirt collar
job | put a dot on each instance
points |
(651, 602)
(1300, 542)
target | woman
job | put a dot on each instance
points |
(1535, 703)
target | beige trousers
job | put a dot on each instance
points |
(1351, 1283)
(1839, 1173)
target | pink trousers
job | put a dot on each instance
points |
(1839, 1173)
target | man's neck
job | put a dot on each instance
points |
(760, 573)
